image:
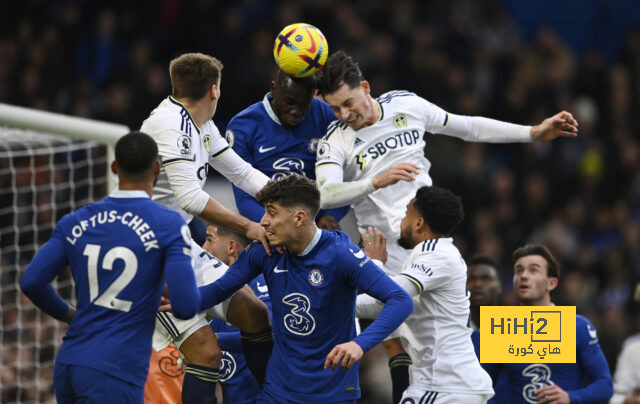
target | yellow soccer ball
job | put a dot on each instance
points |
(300, 50)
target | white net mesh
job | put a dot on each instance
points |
(42, 177)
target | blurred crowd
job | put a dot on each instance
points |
(581, 197)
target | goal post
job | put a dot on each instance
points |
(50, 165)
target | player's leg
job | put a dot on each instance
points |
(202, 355)
(251, 316)
(399, 362)
(197, 342)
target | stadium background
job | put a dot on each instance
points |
(512, 60)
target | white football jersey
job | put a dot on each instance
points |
(180, 140)
(443, 356)
(207, 268)
(397, 137)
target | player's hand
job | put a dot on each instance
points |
(552, 395)
(328, 222)
(561, 124)
(344, 355)
(256, 232)
(375, 244)
(165, 304)
(395, 173)
(632, 399)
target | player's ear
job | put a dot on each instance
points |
(553, 283)
(365, 86)
(300, 217)
(212, 92)
(233, 248)
(156, 167)
(114, 167)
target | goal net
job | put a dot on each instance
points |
(50, 165)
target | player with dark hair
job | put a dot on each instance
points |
(121, 251)
(373, 157)
(313, 288)
(483, 282)
(279, 136)
(536, 273)
(238, 384)
(446, 369)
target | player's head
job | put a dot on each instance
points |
(434, 212)
(483, 281)
(291, 204)
(196, 77)
(292, 98)
(535, 274)
(342, 86)
(136, 164)
(225, 244)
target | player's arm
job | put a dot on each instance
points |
(335, 192)
(241, 272)
(479, 129)
(241, 174)
(627, 375)
(599, 386)
(48, 262)
(179, 274)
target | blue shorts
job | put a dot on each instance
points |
(80, 384)
(268, 397)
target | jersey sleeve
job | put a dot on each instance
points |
(178, 270)
(173, 146)
(48, 262)
(627, 374)
(332, 149)
(228, 163)
(369, 278)
(599, 385)
(435, 118)
(248, 266)
(427, 270)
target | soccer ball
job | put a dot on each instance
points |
(300, 50)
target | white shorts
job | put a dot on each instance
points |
(170, 329)
(418, 395)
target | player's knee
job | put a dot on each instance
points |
(393, 347)
(202, 348)
(248, 313)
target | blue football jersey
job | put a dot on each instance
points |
(587, 381)
(313, 297)
(120, 250)
(258, 137)
(238, 383)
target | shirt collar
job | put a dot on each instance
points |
(314, 241)
(267, 105)
(119, 193)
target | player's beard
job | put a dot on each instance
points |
(404, 243)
